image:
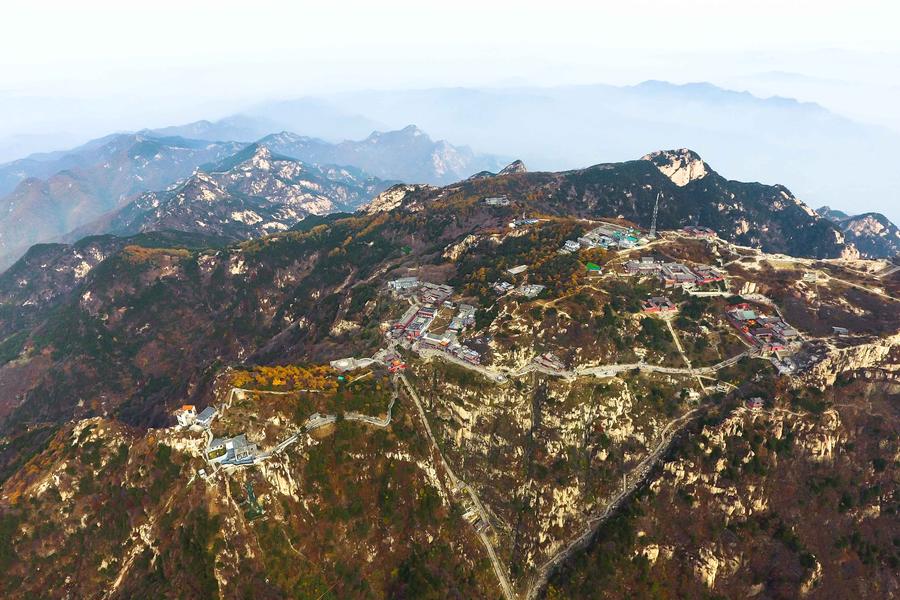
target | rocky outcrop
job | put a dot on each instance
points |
(513, 168)
(880, 353)
(392, 197)
(681, 166)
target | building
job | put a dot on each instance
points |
(497, 201)
(206, 416)
(676, 274)
(593, 269)
(186, 415)
(706, 274)
(530, 290)
(502, 287)
(658, 304)
(517, 269)
(465, 317)
(571, 246)
(433, 293)
(754, 403)
(840, 330)
(699, 232)
(522, 222)
(407, 317)
(647, 265)
(769, 334)
(232, 451)
(420, 323)
(551, 361)
(403, 284)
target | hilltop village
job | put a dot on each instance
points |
(435, 320)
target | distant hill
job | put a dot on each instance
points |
(872, 233)
(409, 155)
(818, 154)
(251, 194)
(54, 193)
(690, 192)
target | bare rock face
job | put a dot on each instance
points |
(878, 354)
(681, 166)
(517, 166)
(392, 197)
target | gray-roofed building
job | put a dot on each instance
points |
(232, 451)
(206, 416)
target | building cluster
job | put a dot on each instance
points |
(448, 343)
(497, 201)
(232, 451)
(421, 291)
(674, 274)
(767, 333)
(465, 317)
(699, 232)
(607, 235)
(415, 323)
(658, 304)
(187, 416)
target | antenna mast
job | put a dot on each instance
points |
(655, 211)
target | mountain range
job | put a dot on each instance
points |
(250, 194)
(50, 195)
(823, 157)
(593, 447)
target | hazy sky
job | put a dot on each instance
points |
(81, 66)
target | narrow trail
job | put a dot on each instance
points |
(683, 355)
(638, 477)
(458, 484)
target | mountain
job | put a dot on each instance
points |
(409, 155)
(872, 233)
(594, 448)
(237, 127)
(312, 116)
(832, 214)
(821, 156)
(250, 194)
(59, 192)
(256, 192)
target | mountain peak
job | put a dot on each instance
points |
(681, 166)
(516, 166)
(407, 133)
(412, 130)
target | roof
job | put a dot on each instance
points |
(206, 413)
(188, 407)
(592, 266)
